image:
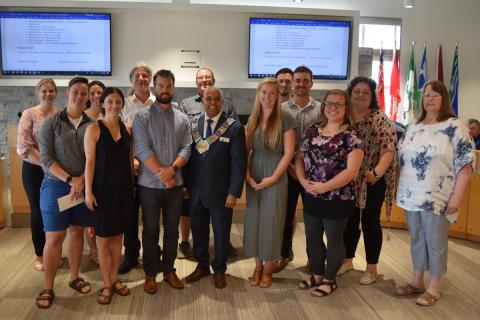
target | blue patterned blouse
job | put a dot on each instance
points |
(430, 157)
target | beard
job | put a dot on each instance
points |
(164, 98)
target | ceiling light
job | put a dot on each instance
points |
(409, 3)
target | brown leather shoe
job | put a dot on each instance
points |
(197, 274)
(172, 279)
(219, 280)
(150, 285)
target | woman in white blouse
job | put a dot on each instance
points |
(435, 161)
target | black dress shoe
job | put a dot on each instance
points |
(127, 265)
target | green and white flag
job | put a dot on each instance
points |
(410, 103)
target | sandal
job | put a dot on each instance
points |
(255, 279)
(322, 293)
(307, 284)
(120, 289)
(105, 298)
(280, 265)
(266, 280)
(78, 284)
(45, 295)
(427, 299)
(408, 290)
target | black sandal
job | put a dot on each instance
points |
(121, 290)
(78, 284)
(307, 284)
(322, 293)
(105, 298)
(45, 295)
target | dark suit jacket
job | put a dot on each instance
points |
(219, 171)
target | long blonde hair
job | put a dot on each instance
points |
(272, 135)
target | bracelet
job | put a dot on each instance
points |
(375, 174)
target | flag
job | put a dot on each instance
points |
(453, 92)
(395, 87)
(409, 102)
(422, 77)
(439, 68)
(381, 87)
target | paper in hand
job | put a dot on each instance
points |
(66, 202)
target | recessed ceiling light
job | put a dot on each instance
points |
(409, 3)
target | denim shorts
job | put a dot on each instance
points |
(53, 219)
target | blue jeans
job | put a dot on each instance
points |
(428, 241)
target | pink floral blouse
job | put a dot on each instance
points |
(28, 131)
(379, 137)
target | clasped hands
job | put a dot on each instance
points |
(313, 187)
(263, 184)
(167, 176)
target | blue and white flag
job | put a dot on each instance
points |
(422, 77)
(453, 92)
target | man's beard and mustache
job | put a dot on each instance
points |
(164, 98)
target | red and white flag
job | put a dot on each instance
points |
(395, 87)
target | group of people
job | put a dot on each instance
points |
(90, 171)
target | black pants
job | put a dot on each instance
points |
(154, 201)
(221, 223)
(315, 227)
(294, 190)
(130, 238)
(372, 231)
(32, 176)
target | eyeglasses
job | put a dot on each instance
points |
(431, 95)
(336, 105)
(360, 92)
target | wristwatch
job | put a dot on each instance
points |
(174, 167)
(69, 179)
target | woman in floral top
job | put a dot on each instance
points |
(326, 166)
(27, 149)
(375, 182)
(435, 160)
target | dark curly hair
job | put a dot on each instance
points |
(371, 84)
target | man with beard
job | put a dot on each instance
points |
(284, 77)
(140, 77)
(192, 107)
(306, 111)
(162, 141)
